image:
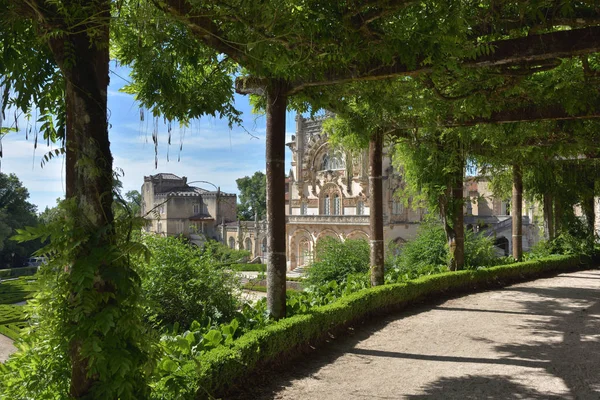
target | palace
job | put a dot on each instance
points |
(327, 196)
(328, 192)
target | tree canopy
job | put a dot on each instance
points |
(16, 212)
(253, 196)
(447, 65)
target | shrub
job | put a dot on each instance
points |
(568, 242)
(480, 251)
(428, 254)
(222, 254)
(183, 284)
(335, 260)
(428, 248)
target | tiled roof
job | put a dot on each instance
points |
(166, 176)
(184, 191)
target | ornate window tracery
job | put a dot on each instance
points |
(303, 208)
(360, 208)
(336, 205)
(331, 200)
(231, 243)
(333, 160)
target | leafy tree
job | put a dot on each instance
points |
(15, 213)
(49, 214)
(55, 59)
(335, 260)
(134, 200)
(42, 368)
(129, 205)
(184, 285)
(253, 196)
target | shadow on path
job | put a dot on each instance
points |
(479, 388)
(562, 330)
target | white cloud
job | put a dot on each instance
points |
(211, 151)
(203, 138)
(19, 157)
(222, 173)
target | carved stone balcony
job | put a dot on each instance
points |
(328, 219)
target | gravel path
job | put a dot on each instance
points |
(537, 340)
(6, 348)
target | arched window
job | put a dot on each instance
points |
(264, 245)
(326, 205)
(360, 208)
(333, 160)
(248, 244)
(231, 243)
(336, 205)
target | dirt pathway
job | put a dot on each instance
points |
(6, 348)
(538, 340)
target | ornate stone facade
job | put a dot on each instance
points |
(328, 195)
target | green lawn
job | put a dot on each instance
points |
(258, 288)
(12, 317)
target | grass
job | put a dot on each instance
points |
(12, 317)
(261, 288)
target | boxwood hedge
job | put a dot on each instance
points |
(15, 272)
(223, 366)
(248, 267)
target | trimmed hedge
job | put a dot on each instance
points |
(248, 267)
(223, 366)
(16, 290)
(13, 330)
(15, 272)
(12, 320)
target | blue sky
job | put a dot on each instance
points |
(211, 151)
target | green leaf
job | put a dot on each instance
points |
(168, 365)
(213, 337)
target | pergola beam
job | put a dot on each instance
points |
(526, 114)
(528, 50)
